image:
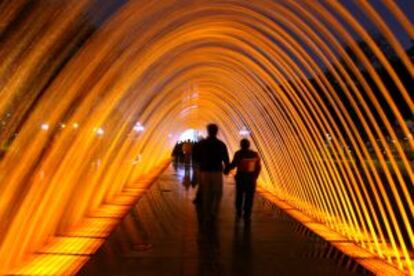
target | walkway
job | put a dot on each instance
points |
(160, 236)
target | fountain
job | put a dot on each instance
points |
(324, 88)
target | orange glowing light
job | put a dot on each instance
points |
(327, 107)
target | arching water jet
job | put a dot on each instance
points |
(328, 110)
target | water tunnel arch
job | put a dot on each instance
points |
(251, 63)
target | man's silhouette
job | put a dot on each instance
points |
(211, 154)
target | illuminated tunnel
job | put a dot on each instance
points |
(94, 96)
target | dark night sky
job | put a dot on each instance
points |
(407, 6)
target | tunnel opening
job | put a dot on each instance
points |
(190, 134)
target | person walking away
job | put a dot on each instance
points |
(187, 149)
(175, 154)
(211, 155)
(248, 167)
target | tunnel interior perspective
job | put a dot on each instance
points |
(95, 94)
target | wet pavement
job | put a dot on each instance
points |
(161, 236)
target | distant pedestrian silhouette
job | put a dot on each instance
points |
(187, 151)
(248, 167)
(211, 154)
(178, 154)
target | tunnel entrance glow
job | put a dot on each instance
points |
(189, 134)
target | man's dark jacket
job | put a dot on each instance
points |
(210, 154)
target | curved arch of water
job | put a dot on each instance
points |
(292, 72)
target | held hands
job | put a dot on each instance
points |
(226, 171)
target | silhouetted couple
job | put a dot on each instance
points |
(212, 157)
